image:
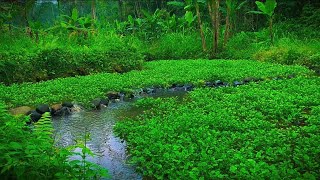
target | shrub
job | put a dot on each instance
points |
(57, 62)
(291, 52)
(28, 152)
(244, 44)
(176, 46)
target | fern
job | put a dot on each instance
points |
(44, 128)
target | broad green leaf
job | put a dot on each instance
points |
(261, 7)
(270, 6)
(189, 17)
(75, 14)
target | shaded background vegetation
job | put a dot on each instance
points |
(49, 39)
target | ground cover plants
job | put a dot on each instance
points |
(63, 53)
(84, 89)
(254, 131)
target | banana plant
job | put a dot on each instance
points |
(267, 9)
(77, 25)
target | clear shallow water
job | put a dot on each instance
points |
(110, 150)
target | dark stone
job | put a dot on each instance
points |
(188, 87)
(291, 76)
(67, 104)
(43, 108)
(257, 79)
(218, 83)
(180, 85)
(237, 83)
(100, 102)
(55, 108)
(179, 88)
(63, 111)
(247, 80)
(113, 95)
(173, 85)
(35, 116)
(104, 102)
(129, 95)
(209, 84)
(96, 103)
(149, 90)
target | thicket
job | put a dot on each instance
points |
(255, 131)
(79, 44)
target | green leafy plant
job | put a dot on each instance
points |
(161, 73)
(30, 151)
(267, 9)
(253, 131)
(78, 26)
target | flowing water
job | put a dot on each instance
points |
(111, 150)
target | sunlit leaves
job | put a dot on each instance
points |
(252, 131)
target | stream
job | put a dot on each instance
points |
(111, 150)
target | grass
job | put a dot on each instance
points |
(83, 89)
(255, 131)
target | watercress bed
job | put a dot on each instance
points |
(83, 89)
(269, 130)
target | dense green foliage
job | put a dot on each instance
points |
(157, 73)
(79, 44)
(111, 54)
(266, 130)
(28, 152)
(256, 131)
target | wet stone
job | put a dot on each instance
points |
(209, 84)
(20, 110)
(67, 104)
(43, 108)
(149, 90)
(237, 83)
(35, 116)
(62, 112)
(104, 101)
(113, 95)
(96, 103)
(188, 87)
(218, 83)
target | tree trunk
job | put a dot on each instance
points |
(214, 14)
(120, 4)
(212, 21)
(93, 9)
(216, 24)
(203, 40)
(27, 25)
(228, 27)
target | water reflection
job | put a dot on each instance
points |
(111, 150)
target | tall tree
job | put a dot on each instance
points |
(213, 7)
(93, 9)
